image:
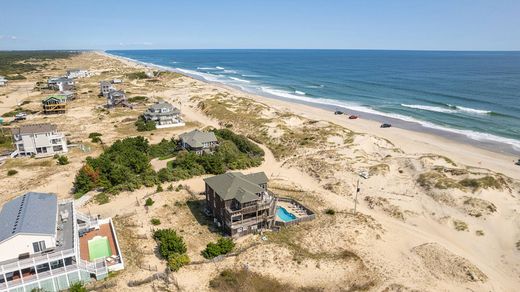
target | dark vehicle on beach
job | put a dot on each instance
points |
(518, 162)
(385, 125)
(353, 117)
(338, 112)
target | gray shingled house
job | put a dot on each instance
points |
(117, 98)
(164, 115)
(105, 87)
(240, 203)
(198, 141)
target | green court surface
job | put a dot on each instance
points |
(99, 247)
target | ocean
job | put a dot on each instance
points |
(471, 96)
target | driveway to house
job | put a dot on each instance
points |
(158, 164)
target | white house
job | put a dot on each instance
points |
(39, 140)
(164, 115)
(61, 83)
(77, 73)
(46, 244)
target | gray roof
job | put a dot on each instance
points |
(106, 83)
(158, 106)
(235, 185)
(32, 213)
(34, 129)
(196, 138)
(116, 93)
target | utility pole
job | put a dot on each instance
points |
(357, 192)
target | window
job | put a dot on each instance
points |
(39, 246)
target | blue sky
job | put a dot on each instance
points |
(361, 24)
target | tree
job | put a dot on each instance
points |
(176, 261)
(223, 246)
(149, 202)
(169, 242)
(63, 160)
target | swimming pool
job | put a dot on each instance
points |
(99, 247)
(284, 215)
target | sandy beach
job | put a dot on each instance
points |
(433, 215)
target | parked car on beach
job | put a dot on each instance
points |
(385, 125)
(353, 117)
(518, 162)
(338, 112)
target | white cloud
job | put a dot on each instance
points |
(8, 37)
(135, 44)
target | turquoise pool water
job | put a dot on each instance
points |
(284, 215)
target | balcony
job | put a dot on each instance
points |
(258, 206)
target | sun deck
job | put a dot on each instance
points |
(103, 229)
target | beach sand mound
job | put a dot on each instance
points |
(444, 265)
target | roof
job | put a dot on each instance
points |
(196, 138)
(24, 214)
(75, 70)
(235, 185)
(60, 97)
(158, 106)
(104, 82)
(34, 129)
(116, 93)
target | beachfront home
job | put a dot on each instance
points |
(38, 140)
(77, 73)
(47, 245)
(54, 104)
(198, 141)
(3, 81)
(164, 115)
(240, 203)
(105, 87)
(117, 98)
(61, 83)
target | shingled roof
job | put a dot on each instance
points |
(196, 138)
(235, 185)
(34, 129)
(32, 213)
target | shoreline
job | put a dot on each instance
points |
(488, 141)
(409, 140)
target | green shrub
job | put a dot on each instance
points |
(169, 242)
(95, 137)
(155, 221)
(77, 287)
(12, 172)
(149, 202)
(159, 188)
(63, 160)
(124, 166)
(330, 212)
(102, 198)
(137, 75)
(164, 149)
(176, 261)
(138, 98)
(223, 246)
(242, 143)
(143, 125)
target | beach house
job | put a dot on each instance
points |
(105, 87)
(198, 141)
(46, 245)
(54, 104)
(240, 203)
(61, 83)
(38, 140)
(164, 114)
(117, 98)
(77, 73)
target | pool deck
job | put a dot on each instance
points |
(291, 208)
(104, 230)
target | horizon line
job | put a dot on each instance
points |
(260, 49)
